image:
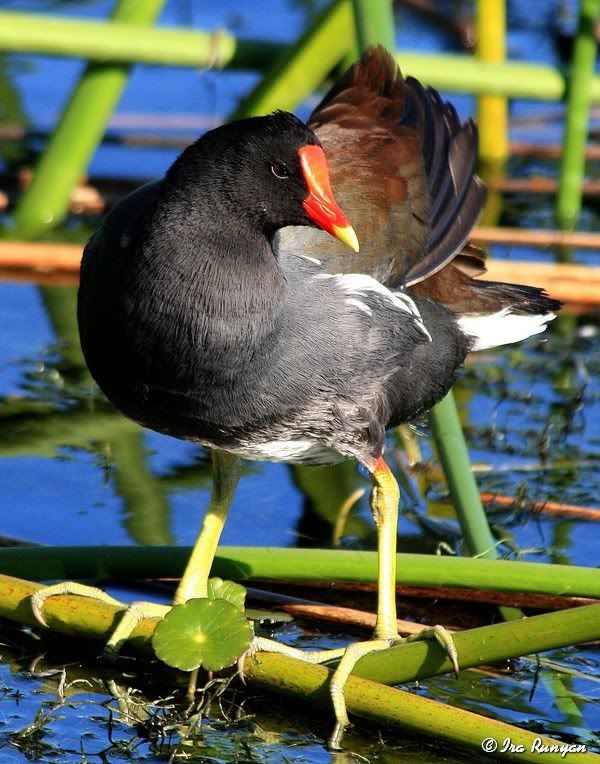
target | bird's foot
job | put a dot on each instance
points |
(358, 650)
(262, 644)
(348, 658)
(444, 638)
(352, 654)
(133, 614)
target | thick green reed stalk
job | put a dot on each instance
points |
(91, 619)
(73, 143)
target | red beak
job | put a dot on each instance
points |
(320, 204)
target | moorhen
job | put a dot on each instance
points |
(214, 307)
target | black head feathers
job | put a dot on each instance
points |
(250, 166)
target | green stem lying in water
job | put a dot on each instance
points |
(91, 619)
(419, 715)
(251, 563)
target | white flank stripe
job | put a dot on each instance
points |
(360, 305)
(502, 328)
(358, 285)
(310, 259)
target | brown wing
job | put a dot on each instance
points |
(402, 167)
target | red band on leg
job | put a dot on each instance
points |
(381, 466)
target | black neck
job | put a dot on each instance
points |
(224, 283)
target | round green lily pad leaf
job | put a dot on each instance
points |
(202, 632)
(227, 590)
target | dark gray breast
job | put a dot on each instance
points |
(319, 366)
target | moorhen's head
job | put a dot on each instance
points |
(270, 171)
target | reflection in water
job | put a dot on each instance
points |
(324, 490)
(60, 304)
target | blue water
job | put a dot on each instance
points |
(61, 483)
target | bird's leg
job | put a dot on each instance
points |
(385, 498)
(225, 477)
(194, 583)
(384, 504)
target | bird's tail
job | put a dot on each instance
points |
(507, 313)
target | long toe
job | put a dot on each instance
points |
(135, 613)
(350, 658)
(132, 614)
(39, 599)
(444, 638)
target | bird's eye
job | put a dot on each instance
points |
(279, 170)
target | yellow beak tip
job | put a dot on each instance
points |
(347, 235)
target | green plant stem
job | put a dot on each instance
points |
(572, 167)
(484, 645)
(92, 619)
(398, 708)
(66, 157)
(454, 456)
(120, 43)
(305, 64)
(374, 23)
(463, 74)
(251, 563)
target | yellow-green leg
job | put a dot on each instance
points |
(194, 583)
(385, 498)
(225, 477)
(384, 504)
